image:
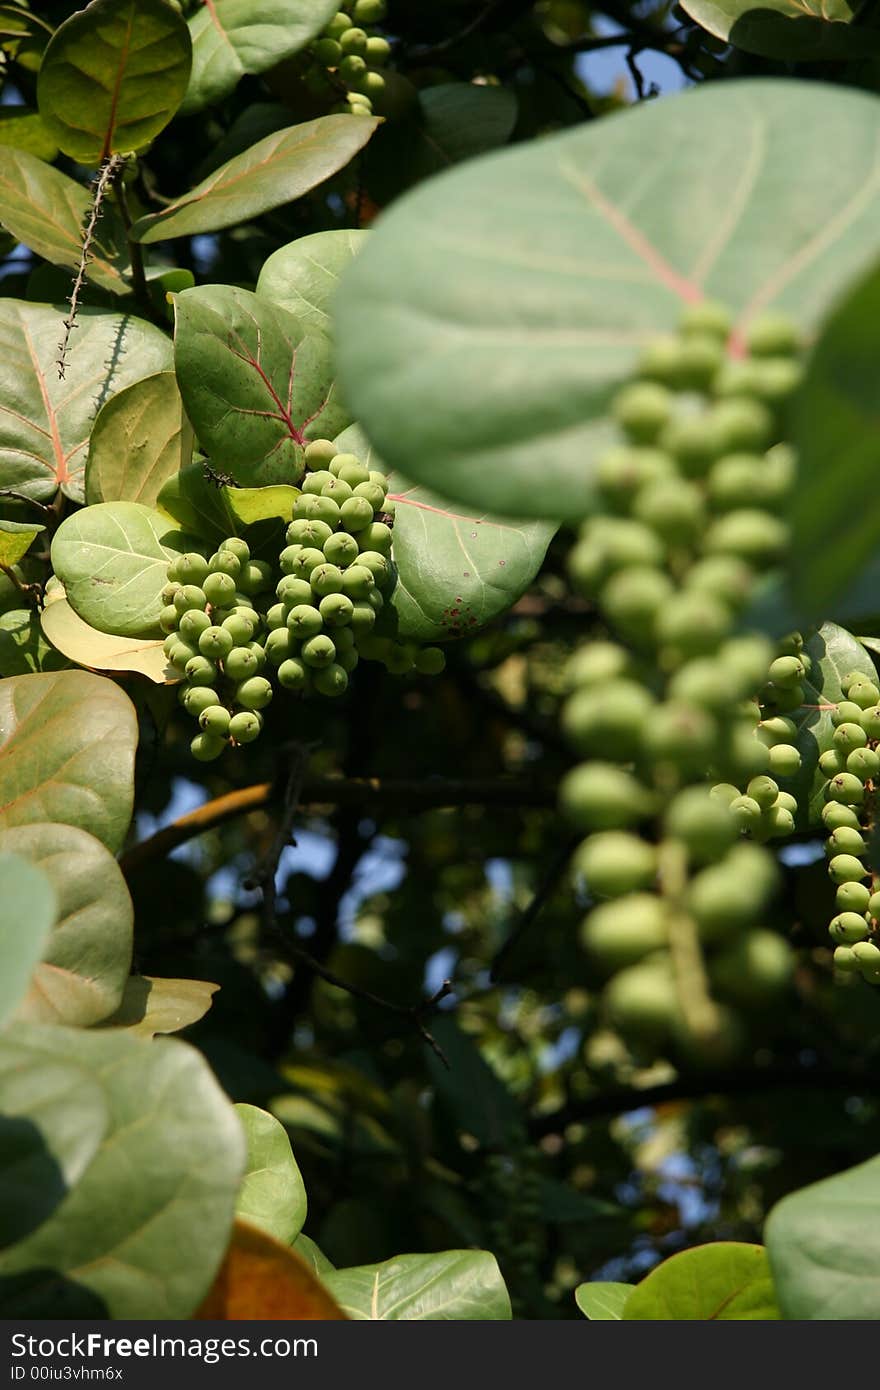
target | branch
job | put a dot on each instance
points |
(530, 914)
(33, 593)
(106, 174)
(390, 793)
(742, 1082)
(10, 492)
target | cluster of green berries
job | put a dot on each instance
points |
(851, 767)
(347, 58)
(687, 523)
(237, 627)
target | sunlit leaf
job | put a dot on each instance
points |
(151, 1005)
(140, 439)
(273, 1195)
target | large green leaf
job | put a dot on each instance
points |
(99, 651)
(835, 429)
(197, 504)
(234, 37)
(25, 130)
(824, 1247)
(23, 647)
(141, 1233)
(276, 170)
(455, 572)
(46, 210)
(27, 914)
(602, 1302)
(725, 1281)
(834, 652)
(525, 283)
(141, 439)
(272, 1195)
(113, 75)
(796, 30)
(67, 744)
(88, 956)
(456, 1285)
(44, 421)
(113, 565)
(254, 384)
(303, 276)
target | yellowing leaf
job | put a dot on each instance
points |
(263, 1279)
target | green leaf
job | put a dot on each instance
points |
(824, 1247)
(46, 210)
(451, 122)
(26, 131)
(196, 504)
(255, 386)
(151, 1005)
(16, 539)
(27, 914)
(835, 427)
(113, 565)
(726, 1282)
(276, 170)
(602, 1302)
(45, 422)
(251, 504)
(23, 35)
(272, 1195)
(234, 37)
(834, 652)
(88, 956)
(67, 744)
(112, 76)
(456, 571)
(303, 276)
(141, 439)
(456, 1285)
(526, 283)
(795, 30)
(100, 651)
(307, 1250)
(143, 1230)
(23, 647)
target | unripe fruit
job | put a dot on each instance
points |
(707, 316)
(256, 577)
(336, 610)
(704, 826)
(215, 720)
(863, 763)
(279, 645)
(276, 617)
(190, 596)
(352, 67)
(672, 507)
(745, 812)
(363, 619)
(254, 693)
(832, 761)
(619, 933)
(735, 481)
(310, 507)
(331, 681)
(788, 697)
(600, 796)
(245, 726)
(753, 970)
(701, 357)
(318, 651)
(354, 40)
(368, 11)
(642, 410)
(845, 840)
(870, 721)
(219, 589)
(201, 671)
(241, 628)
(374, 494)
(236, 546)
(171, 641)
(399, 662)
(633, 598)
(198, 698)
(216, 642)
(702, 681)
(293, 674)
(692, 442)
(681, 734)
(741, 425)
(787, 802)
(305, 621)
(615, 862)
(595, 662)
(356, 514)
(741, 755)
(846, 868)
(786, 670)
(785, 760)
(586, 567)
(750, 534)
(347, 659)
(745, 659)
(846, 788)
(608, 719)
(379, 567)
(307, 560)
(168, 593)
(358, 582)
(354, 473)
(863, 693)
(313, 484)
(292, 590)
(308, 531)
(777, 730)
(340, 549)
(775, 822)
(867, 954)
(205, 747)
(852, 897)
(326, 579)
(727, 897)
(847, 713)
(182, 652)
(874, 905)
(377, 536)
(847, 928)
(192, 624)
(693, 623)
(338, 490)
(240, 663)
(191, 568)
(725, 792)
(772, 335)
(834, 815)
(642, 1001)
(430, 661)
(319, 453)
(849, 736)
(845, 960)
(327, 51)
(725, 576)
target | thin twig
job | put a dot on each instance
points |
(32, 592)
(14, 496)
(529, 914)
(105, 177)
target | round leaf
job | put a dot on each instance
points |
(526, 283)
(796, 30)
(87, 958)
(113, 75)
(726, 1281)
(234, 37)
(602, 1302)
(273, 1195)
(113, 565)
(455, 1285)
(27, 915)
(67, 744)
(45, 422)
(303, 276)
(141, 439)
(142, 1232)
(101, 651)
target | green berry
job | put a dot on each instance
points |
(595, 662)
(337, 490)
(777, 820)
(777, 730)
(834, 815)
(707, 316)
(845, 840)
(681, 734)
(198, 698)
(245, 726)
(332, 680)
(240, 627)
(319, 453)
(169, 618)
(304, 621)
(772, 335)
(254, 693)
(336, 610)
(375, 537)
(207, 746)
(785, 760)
(693, 442)
(725, 576)
(701, 823)
(846, 868)
(672, 507)
(753, 970)
(849, 736)
(220, 589)
(846, 788)
(745, 812)
(215, 720)
(725, 792)
(642, 410)
(307, 531)
(845, 960)
(642, 1001)
(313, 485)
(192, 624)
(600, 796)
(356, 514)
(852, 897)
(327, 51)
(863, 763)
(847, 713)
(693, 623)
(727, 897)
(633, 598)
(375, 495)
(216, 642)
(191, 568)
(622, 471)
(870, 721)
(293, 674)
(377, 564)
(399, 661)
(326, 579)
(615, 862)
(237, 547)
(340, 549)
(847, 928)
(621, 932)
(240, 663)
(363, 618)
(190, 596)
(609, 719)
(256, 577)
(201, 671)
(308, 559)
(863, 693)
(357, 581)
(749, 534)
(318, 651)
(279, 645)
(832, 761)
(786, 670)
(874, 905)
(368, 11)
(430, 661)
(741, 425)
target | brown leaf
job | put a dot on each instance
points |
(261, 1278)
